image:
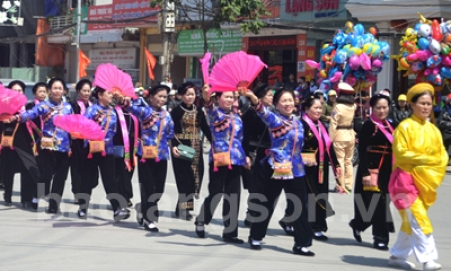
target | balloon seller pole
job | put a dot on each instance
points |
(77, 77)
(359, 90)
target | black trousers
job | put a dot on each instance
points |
(24, 162)
(90, 178)
(54, 166)
(296, 190)
(223, 182)
(380, 218)
(257, 185)
(184, 179)
(152, 178)
(75, 170)
(124, 179)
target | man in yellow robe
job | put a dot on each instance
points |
(418, 151)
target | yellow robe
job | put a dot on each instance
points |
(418, 150)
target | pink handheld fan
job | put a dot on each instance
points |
(235, 70)
(80, 127)
(11, 102)
(110, 78)
(205, 64)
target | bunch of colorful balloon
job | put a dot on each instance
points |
(354, 56)
(425, 51)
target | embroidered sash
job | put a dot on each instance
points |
(136, 141)
(320, 135)
(380, 125)
(83, 106)
(125, 137)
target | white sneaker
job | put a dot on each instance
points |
(431, 266)
(401, 263)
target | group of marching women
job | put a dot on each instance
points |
(282, 151)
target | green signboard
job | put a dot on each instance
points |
(191, 42)
(84, 16)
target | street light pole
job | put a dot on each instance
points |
(77, 77)
(167, 27)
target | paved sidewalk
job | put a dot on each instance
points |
(37, 241)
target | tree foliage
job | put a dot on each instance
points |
(204, 13)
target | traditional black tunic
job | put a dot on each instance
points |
(255, 138)
(19, 159)
(188, 122)
(123, 175)
(319, 191)
(375, 152)
(75, 164)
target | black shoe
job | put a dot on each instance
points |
(121, 214)
(380, 246)
(26, 204)
(129, 204)
(183, 214)
(139, 215)
(356, 233)
(254, 246)
(320, 237)
(150, 226)
(51, 211)
(232, 240)
(34, 206)
(189, 216)
(82, 214)
(7, 200)
(286, 228)
(200, 233)
(298, 251)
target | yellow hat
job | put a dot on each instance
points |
(418, 89)
(345, 88)
(332, 93)
(402, 97)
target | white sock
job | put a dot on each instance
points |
(255, 242)
(151, 225)
(200, 228)
(305, 249)
(318, 233)
(35, 200)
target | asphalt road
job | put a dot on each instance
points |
(39, 241)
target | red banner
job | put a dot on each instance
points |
(100, 13)
(272, 42)
(132, 9)
(311, 54)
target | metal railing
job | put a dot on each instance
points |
(61, 21)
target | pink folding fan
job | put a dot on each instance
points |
(79, 127)
(205, 64)
(235, 70)
(110, 78)
(11, 102)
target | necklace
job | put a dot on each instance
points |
(189, 111)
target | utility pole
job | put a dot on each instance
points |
(77, 77)
(167, 27)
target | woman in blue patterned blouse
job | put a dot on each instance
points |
(54, 145)
(99, 155)
(227, 158)
(157, 128)
(284, 169)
